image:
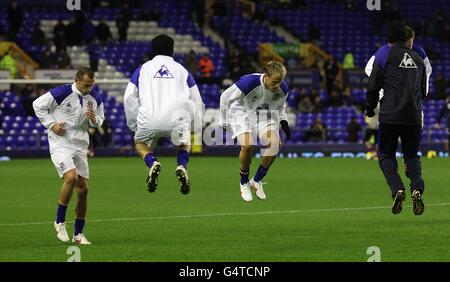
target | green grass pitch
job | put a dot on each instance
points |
(321, 210)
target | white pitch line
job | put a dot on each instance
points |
(220, 214)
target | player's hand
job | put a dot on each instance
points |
(58, 128)
(285, 126)
(370, 113)
(437, 125)
(90, 115)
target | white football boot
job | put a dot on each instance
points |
(80, 239)
(152, 179)
(182, 175)
(61, 231)
(258, 189)
(246, 194)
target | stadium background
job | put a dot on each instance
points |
(237, 36)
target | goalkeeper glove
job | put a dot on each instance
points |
(285, 126)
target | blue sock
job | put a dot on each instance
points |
(61, 213)
(79, 225)
(149, 159)
(183, 158)
(260, 173)
(244, 176)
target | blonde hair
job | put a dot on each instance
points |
(274, 67)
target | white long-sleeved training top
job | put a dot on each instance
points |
(66, 104)
(156, 90)
(248, 95)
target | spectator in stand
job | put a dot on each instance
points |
(59, 36)
(199, 12)
(317, 102)
(314, 33)
(15, 18)
(63, 59)
(38, 37)
(347, 100)
(205, 67)
(89, 32)
(191, 62)
(306, 105)
(122, 22)
(74, 31)
(331, 70)
(103, 32)
(7, 62)
(46, 61)
(349, 61)
(445, 112)
(335, 99)
(94, 56)
(317, 132)
(353, 129)
(441, 86)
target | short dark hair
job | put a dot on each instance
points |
(410, 32)
(162, 45)
(85, 71)
(397, 33)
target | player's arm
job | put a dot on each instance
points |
(131, 100)
(426, 61)
(428, 70)
(195, 97)
(369, 66)
(228, 97)
(282, 113)
(99, 116)
(44, 107)
(374, 87)
(376, 79)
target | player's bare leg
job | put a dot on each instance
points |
(181, 170)
(81, 210)
(65, 194)
(145, 152)
(245, 159)
(271, 146)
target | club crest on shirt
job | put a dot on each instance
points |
(163, 72)
(276, 96)
(407, 62)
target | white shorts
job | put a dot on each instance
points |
(242, 123)
(180, 135)
(66, 159)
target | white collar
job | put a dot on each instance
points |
(75, 90)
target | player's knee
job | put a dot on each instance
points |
(82, 185)
(247, 149)
(83, 192)
(70, 178)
